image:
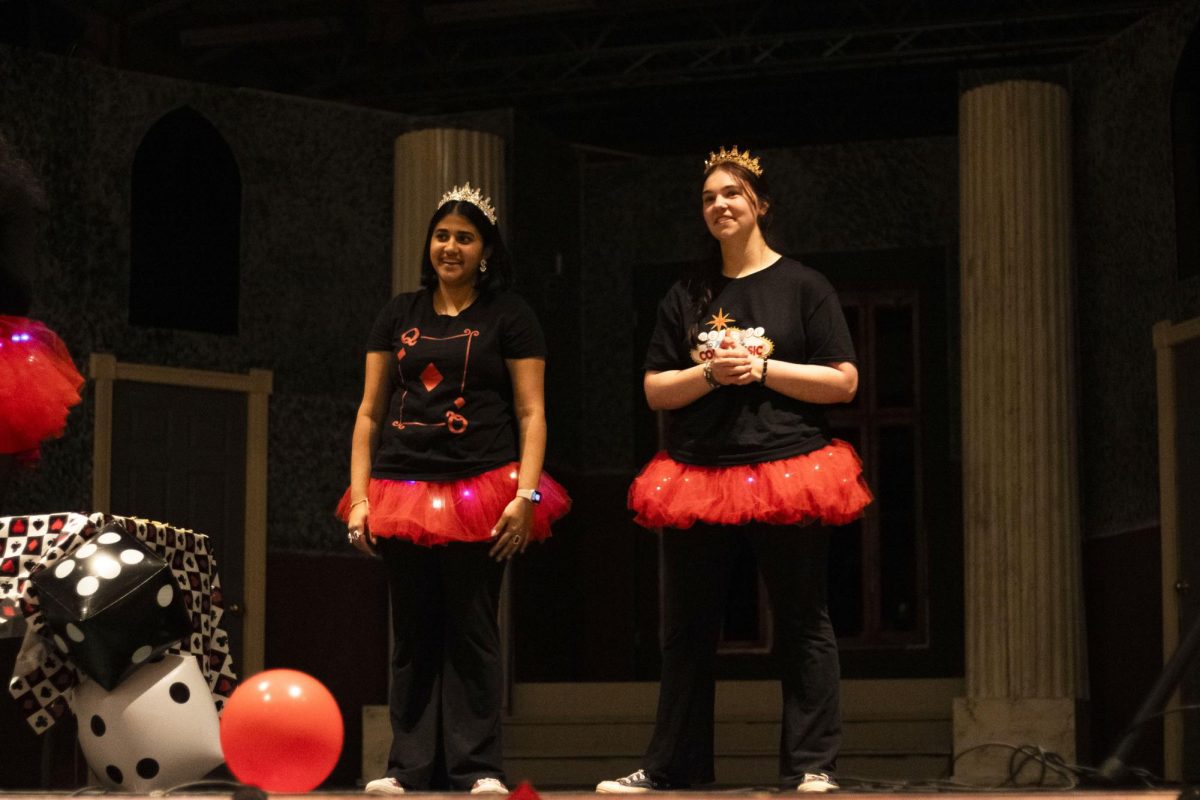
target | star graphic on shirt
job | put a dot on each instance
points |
(719, 321)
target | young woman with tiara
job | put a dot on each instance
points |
(446, 484)
(38, 380)
(744, 357)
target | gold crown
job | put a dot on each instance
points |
(466, 194)
(741, 159)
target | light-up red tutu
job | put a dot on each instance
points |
(38, 385)
(824, 486)
(463, 510)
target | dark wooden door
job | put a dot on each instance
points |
(179, 457)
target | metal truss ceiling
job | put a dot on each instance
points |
(689, 44)
(593, 71)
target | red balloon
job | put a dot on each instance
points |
(281, 731)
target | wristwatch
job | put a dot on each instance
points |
(532, 495)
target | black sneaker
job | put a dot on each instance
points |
(636, 783)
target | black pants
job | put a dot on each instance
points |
(447, 679)
(695, 582)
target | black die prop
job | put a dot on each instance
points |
(111, 604)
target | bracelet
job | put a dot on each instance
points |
(357, 502)
(708, 376)
(762, 378)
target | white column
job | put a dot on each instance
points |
(1025, 668)
(427, 163)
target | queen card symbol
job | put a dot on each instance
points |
(440, 366)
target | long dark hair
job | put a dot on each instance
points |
(20, 197)
(499, 275)
(701, 281)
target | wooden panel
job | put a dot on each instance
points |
(179, 456)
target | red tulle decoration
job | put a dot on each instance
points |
(824, 486)
(38, 385)
(463, 510)
(524, 791)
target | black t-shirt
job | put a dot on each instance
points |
(787, 312)
(451, 411)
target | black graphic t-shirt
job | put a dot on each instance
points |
(451, 412)
(787, 312)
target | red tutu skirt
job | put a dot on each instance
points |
(464, 510)
(824, 486)
(38, 385)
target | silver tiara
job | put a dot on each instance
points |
(466, 194)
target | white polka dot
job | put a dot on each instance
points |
(112, 537)
(106, 567)
(165, 595)
(74, 632)
(132, 556)
(58, 640)
(64, 569)
(87, 587)
(86, 551)
(141, 654)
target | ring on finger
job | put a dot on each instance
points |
(516, 538)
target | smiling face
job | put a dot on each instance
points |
(729, 205)
(455, 250)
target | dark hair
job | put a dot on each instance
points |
(20, 197)
(499, 275)
(701, 280)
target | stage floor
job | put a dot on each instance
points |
(1012, 794)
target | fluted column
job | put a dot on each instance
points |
(427, 163)
(1024, 642)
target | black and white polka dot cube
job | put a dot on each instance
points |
(159, 729)
(111, 605)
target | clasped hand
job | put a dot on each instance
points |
(732, 364)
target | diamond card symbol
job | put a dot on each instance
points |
(430, 377)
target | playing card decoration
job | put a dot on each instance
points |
(111, 605)
(23, 542)
(43, 679)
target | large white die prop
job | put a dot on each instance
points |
(158, 729)
(111, 604)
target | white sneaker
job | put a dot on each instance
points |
(489, 786)
(817, 782)
(384, 786)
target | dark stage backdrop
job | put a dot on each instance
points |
(1127, 278)
(316, 194)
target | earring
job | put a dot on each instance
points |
(483, 265)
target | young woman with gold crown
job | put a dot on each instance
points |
(743, 358)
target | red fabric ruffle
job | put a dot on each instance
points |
(38, 385)
(824, 486)
(463, 510)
